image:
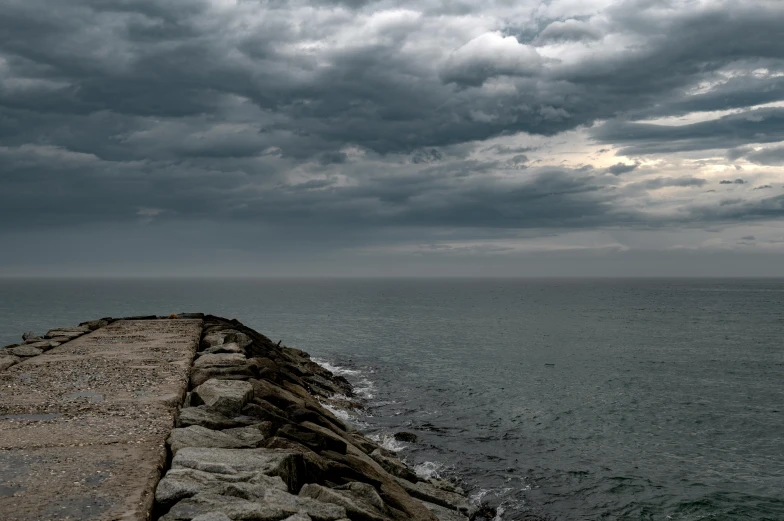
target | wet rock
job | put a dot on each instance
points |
(7, 361)
(183, 483)
(445, 514)
(226, 397)
(204, 416)
(233, 507)
(408, 437)
(429, 493)
(25, 351)
(394, 466)
(197, 436)
(228, 366)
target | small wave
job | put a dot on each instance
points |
(429, 469)
(336, 369)
(363, 386)
(388, 441)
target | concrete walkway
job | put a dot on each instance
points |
(83, 426)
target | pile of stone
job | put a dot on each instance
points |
(34, 345)
(254, 441)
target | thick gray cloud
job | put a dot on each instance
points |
(385, 120)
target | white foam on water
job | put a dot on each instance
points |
(428, 469)
(388, 441)
(336, 369)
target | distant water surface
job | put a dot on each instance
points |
(555, 399)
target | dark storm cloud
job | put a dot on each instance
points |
(771, 156)
(734, 130)
(622, 168)
(664, 182)
(302, 112)
(735, 182)
(569, 30)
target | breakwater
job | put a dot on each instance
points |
(192, 417)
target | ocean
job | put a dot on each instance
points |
(556, 399)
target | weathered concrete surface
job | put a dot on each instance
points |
(83, 426)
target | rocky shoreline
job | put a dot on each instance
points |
(255, 439)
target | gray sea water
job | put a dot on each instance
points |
(551, 399)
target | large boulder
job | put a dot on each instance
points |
(231, 347)
(427, 492)
(317, 510)
(286, 464)
(207, 417)
(394, 466)
(226, 397)
(445, 514)
(7, 361)
(233, 507)
(181, 483)
(227, 366)
(317, 440)
(25, 351)
(70, 332)
(197, 436)
(362, 502)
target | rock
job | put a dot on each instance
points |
(408, 437)
(446, 485)
(92, 325)
(313, 439)
(182, 483)
(427, 492)
(25, 351)
(237, 337)
(197, 436)
(252, 435)
(282, 398)
(288, 465)
(206, 417)
(229, 366)
(7, 361)
(212, 516)
(445, 514)
(290, 503)
(226, 397)
(394, 466)
(233, 507)
(358, 466)
(70, 332)
(231, 347)
(29, 335)
(356, 508)
(211, 340)
(45, 345)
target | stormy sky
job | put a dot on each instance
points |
(328, 137)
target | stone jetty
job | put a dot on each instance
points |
(191, 418)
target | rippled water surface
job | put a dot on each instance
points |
(554, 399)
